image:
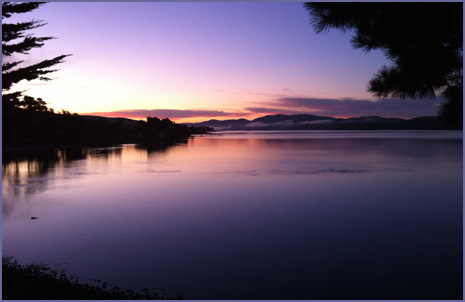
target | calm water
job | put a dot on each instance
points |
(249, 215)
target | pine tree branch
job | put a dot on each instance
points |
(23, 47)
(8, 66)
(32, 72)
(11, 31)
(9, 8)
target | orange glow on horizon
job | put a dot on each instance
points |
(199, 119)
(179, 120)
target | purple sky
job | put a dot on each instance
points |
(197, 61)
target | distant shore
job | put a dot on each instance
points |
(315, 122)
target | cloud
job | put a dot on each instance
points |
(289, 91)
(260, 124)
(317, 122)
(163, 113)
(264, 110)
(344, 107)
(407, 108)
(290, 122)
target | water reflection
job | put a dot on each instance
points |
(28, 172)
(251, 217)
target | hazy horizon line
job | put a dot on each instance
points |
(337, 108)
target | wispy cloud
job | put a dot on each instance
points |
(355, 108)
(345, 107)
(264, 110)
(164, 113)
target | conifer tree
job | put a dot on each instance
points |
(424, 42)
(16, 41)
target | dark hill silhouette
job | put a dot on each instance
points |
(315, 122)
(221, 124)
(28, 128)
(297, 118)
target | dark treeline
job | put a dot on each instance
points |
(29, 127)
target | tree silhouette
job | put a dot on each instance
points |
(423, 41)
(16, 41)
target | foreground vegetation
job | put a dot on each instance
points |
(40, 282)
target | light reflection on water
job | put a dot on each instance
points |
(257, 215)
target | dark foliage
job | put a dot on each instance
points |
(16, 41)
(29, 73)
(200, 130)
(424, 41)
(41, 127)
(17, 8)
(165, 128)
(40, 282)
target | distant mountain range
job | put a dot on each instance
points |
(315, 122)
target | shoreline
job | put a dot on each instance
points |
(40, 282)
